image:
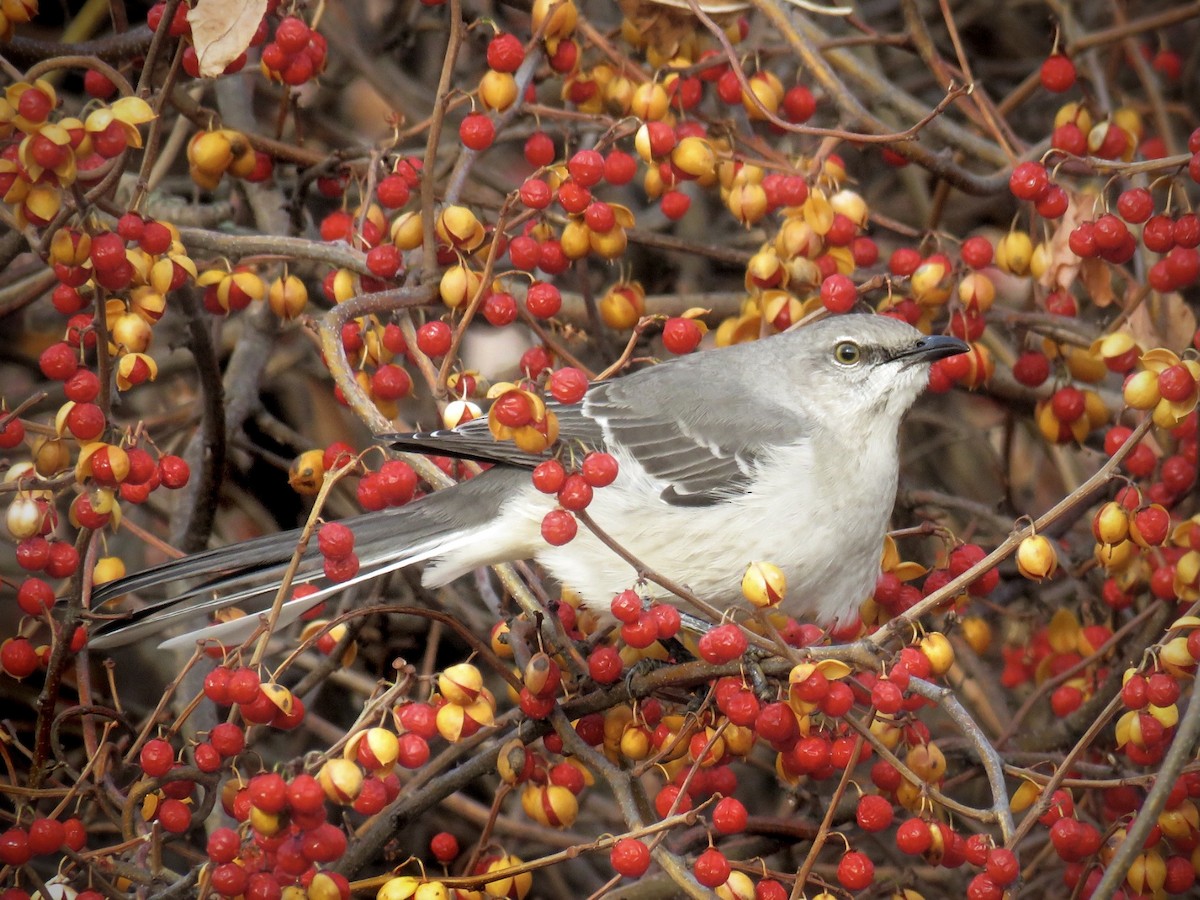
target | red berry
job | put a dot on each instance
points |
(500, 309)
(599, 469)
(477, 131)
(568, 384)
(913, 837)
(711, 868)
(729, 816)
(393, 191)
(586, 167)
(722, 644)
(855, 871)
(681, 335)
(1057, 73)
(548, 477)
(539, 149)
(505, 53)
(543, 300)
(874, 812)
(619, 167)
(34, 105)
(433, 338)
(575, 494)
(838, 293)
(173, 471)
(384, 260)
(1135, 205)
(630, 857)
(604, 665)
(1032, 368)
(1028, 181)
(535, 194)
(444, 847)
(156, 757)
(558, 527)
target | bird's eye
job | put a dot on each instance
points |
(847, 353)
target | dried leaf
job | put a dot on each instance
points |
(1163, 320)
(1064, 264)
(222, 30)
(1097, 281)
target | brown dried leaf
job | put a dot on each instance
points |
(1064, 264)
(222, 30)
(1163, 320)
(1097, 281)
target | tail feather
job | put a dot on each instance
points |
(385, 541)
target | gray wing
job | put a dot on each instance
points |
(705, 449)
(703, 438)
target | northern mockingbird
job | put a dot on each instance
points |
(782, 450)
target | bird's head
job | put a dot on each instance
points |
(861, 368)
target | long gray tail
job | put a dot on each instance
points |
(249, 573)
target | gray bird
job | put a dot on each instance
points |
(781, 450)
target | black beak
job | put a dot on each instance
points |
(932, 347)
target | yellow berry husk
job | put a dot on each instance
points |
(1014, 252)
(650, 101)
(851, 205)
(764, 584)
(927, 761)
(287, 297)
(306, 472)
(748, 203)
(511, 763)
(341, 780)
(497, 90)
(550, 804)
(461, 683)
(939, 651)
(575, 239)
(694, 155)
(1147, 873)
(977, 633)
(1141, 390)
(766, 93)
(50, 456)
(210, 152)
(1036, 557)
(1110, 524)
(977, 291)
(380, 743)
(1116, 557)
(108, 568)
(737, 887)
(929, 284)
(512, 887)
(131, 333)
(458, 285)
(555, 19)
(460, 228)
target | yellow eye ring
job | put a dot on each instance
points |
(847, 353)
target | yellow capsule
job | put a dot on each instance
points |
(939, 651)
(694, 155)
(306, 472)
(978, 633)
(1036, 557)
(341, 780)
(1110, 524)
(461, 683)
(764, 584)
(1014, 252)
(927, 762)
(497, 90)
(287, 296)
